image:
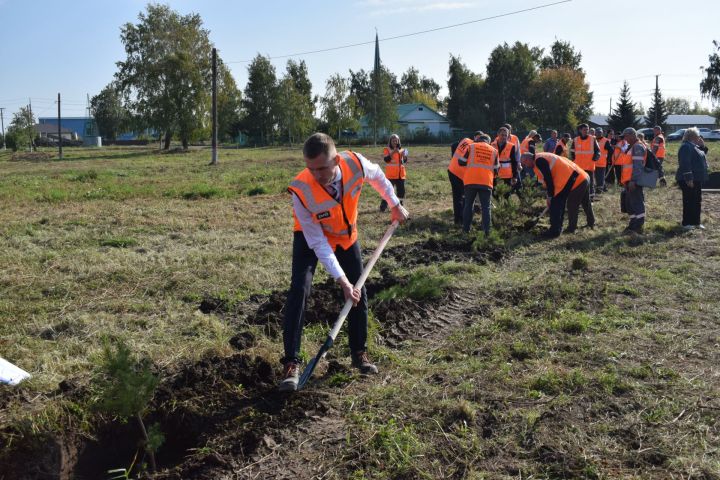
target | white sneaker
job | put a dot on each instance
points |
(701, 226)
(687, 228)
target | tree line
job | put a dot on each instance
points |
(162, 88)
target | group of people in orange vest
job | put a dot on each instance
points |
(573, 173)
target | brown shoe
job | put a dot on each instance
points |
(291, 376)
(361, 361)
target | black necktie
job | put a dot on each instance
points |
(333, 192)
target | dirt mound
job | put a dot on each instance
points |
(434, 251)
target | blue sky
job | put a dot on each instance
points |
(48, 47)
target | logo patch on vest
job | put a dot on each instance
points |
(322, 215)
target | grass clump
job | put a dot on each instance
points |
(491, 241)
(201, 190)
(579, 263)
(259, 190)
(554, 383)
(572, 322)
(398, 446)
(118, 242)
(88, 176)
(423, 284)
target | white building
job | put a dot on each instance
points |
(414, 119)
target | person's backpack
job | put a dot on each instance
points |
(651, 171)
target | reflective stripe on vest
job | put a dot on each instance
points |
(481, 165)
(505, 170)
(395, 169)
(460, 151)
(561, 170)
(602, 161)
(584, 151)
(337, 220)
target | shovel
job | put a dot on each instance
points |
(346, 309)
(531, 223)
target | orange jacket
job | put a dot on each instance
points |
(561, 169)
(525, 145)
(395, 169)
(460, 152)
(584, 152)
(506, 160)
(660, 145)
(338, 220)
(626, 163)
(602, 161)
(481, 165)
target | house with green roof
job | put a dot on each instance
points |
(414, 119)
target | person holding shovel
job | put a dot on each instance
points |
(325, 197)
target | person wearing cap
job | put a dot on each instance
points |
(591, 132)
(606, 150)
(529, 145)
(325, 200)
(567, 185)
(631, 164)
(507, 153)
(551, 142)
(481, 165)
(585, 152)
(658, 148)
(692, 171)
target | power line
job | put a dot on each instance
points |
(421, 32)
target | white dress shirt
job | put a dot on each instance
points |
(313, 231)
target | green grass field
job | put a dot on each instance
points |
(590, 356)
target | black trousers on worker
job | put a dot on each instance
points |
(458, 192)
(600, 180)
(634, 206)
(484, 192)
(304, 262)
(591, 183)
(571, 199)
(399, 185)
(613, 176)
(692, 202)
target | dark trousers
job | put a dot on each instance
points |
(635, 207)
(484, 192)
(600, 179)
(591, 183)
(692, 202)
(399, 185)
(557, 208)
(661, 171)
(458, 190)
(613, 175)
(304, 262)
(580, 196)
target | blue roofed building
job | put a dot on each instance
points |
(81, 127)
(414, 119)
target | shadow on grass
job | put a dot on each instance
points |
(108, 156)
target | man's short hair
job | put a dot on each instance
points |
(583, 125)
(505, 129)
(318, 144)
(629, 131)
(566, 135)
(657, 127)
(553, 131)
(508, 126)
(484, 137)
(479, 133)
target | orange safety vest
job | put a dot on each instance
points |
(660, 146)
(505, 170)
(565, 149)
(394, 170)
(460, 152)
(515, 141)
(618, 151)
(561, 169)
(626, 163)
(482, 161)
(584, 152)
(602, 161)
(338, 220)
(525, 145)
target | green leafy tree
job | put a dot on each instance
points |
(261, 100)
(415, 88)
(296, 106)
(677, 106)
(710, 85)
(383, 113)
(21, 133)
(339, 106)
(560, 98)
(657, 113)
(165, 77)
(510, 71)
(109, 113)
(229, 104)
(126, 385)
(562, 55)
(466, 106)
(623, 116)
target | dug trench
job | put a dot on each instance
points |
(221, 414)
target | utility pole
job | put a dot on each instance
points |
(2, 123)
(656, 92)
(610, 107)
(60, 156)
(32, 120)
(214, 158)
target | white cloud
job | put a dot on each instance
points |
(392, 7)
